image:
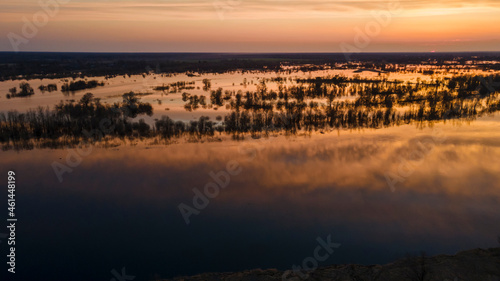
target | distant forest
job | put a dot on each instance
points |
(61, 65)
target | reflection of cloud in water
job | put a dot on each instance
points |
(322, 183)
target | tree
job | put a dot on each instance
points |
(216, 97)
(26, 90)
(207, 84)
(86, 100)
(131, 107)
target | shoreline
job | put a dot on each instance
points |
(470, 265)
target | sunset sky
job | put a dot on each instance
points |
(251, 25)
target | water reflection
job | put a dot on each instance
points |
(292, 110)
(119, 207)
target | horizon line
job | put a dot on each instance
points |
(247, 53)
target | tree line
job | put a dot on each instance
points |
(300, 108)
(80, 85)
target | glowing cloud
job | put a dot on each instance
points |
(252, 25)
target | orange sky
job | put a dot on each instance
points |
(251, 25)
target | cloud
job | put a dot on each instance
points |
(240, 9)
(249, 25)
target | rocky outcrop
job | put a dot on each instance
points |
(479, 264)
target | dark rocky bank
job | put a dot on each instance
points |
(472, 265)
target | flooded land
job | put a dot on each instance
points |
(182, 165)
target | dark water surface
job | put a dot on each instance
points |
(119, 207)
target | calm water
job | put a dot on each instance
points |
(171, 104)
(119, 207)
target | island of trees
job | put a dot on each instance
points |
(80, 85)
(317, 104)
(48, 88)
(25, 90)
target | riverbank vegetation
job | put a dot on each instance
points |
(80, 85)
(25, 65)
(48, 88)
(313, 105)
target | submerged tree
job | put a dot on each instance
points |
(25, 90)
(80, 85)
(131, 106)
(314, 105)
(48, 88)
(207, 84)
